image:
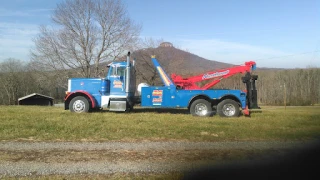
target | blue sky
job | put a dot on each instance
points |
(281, 34)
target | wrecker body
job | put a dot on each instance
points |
(116, 92)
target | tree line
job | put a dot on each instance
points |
(19, 78)
(292, 87)
(296, 87)
(275, 87)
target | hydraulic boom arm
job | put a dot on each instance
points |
(190, 82)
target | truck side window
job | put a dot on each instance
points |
(118, 71)
(121, 71)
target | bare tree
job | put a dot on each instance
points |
(17, 79)
(144, 68)
(85, 34)
(11, 80)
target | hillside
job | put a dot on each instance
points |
(178, 61)
(173, 60)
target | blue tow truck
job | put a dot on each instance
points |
(116, 92)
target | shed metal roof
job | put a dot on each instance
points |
(34, 94)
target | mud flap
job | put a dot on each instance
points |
(246, 111)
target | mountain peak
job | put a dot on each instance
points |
(166, 44)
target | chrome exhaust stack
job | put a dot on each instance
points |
(128, 70)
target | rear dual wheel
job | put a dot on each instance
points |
(201, 107)
(228, 108)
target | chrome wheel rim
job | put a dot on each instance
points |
(79, 106)
(229, 110)
(201, 109)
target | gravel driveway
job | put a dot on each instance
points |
(65, 158)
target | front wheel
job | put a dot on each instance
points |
(201, 107)
(79, 104)
(228, 108)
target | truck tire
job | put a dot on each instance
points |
(228, 108)
(200, 107)
(79, 104)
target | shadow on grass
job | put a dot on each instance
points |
(168, 110)
(299, 163)
(148, 110)
(155, 110)
(161, 110)
(255, 111)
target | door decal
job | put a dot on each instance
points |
(157, 97)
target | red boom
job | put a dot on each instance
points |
(190, 82)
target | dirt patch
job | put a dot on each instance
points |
(19, 159)
(126, 155)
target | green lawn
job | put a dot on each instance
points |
(55, 124)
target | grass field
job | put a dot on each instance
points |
(55, 124)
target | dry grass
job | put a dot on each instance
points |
(115, 176)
